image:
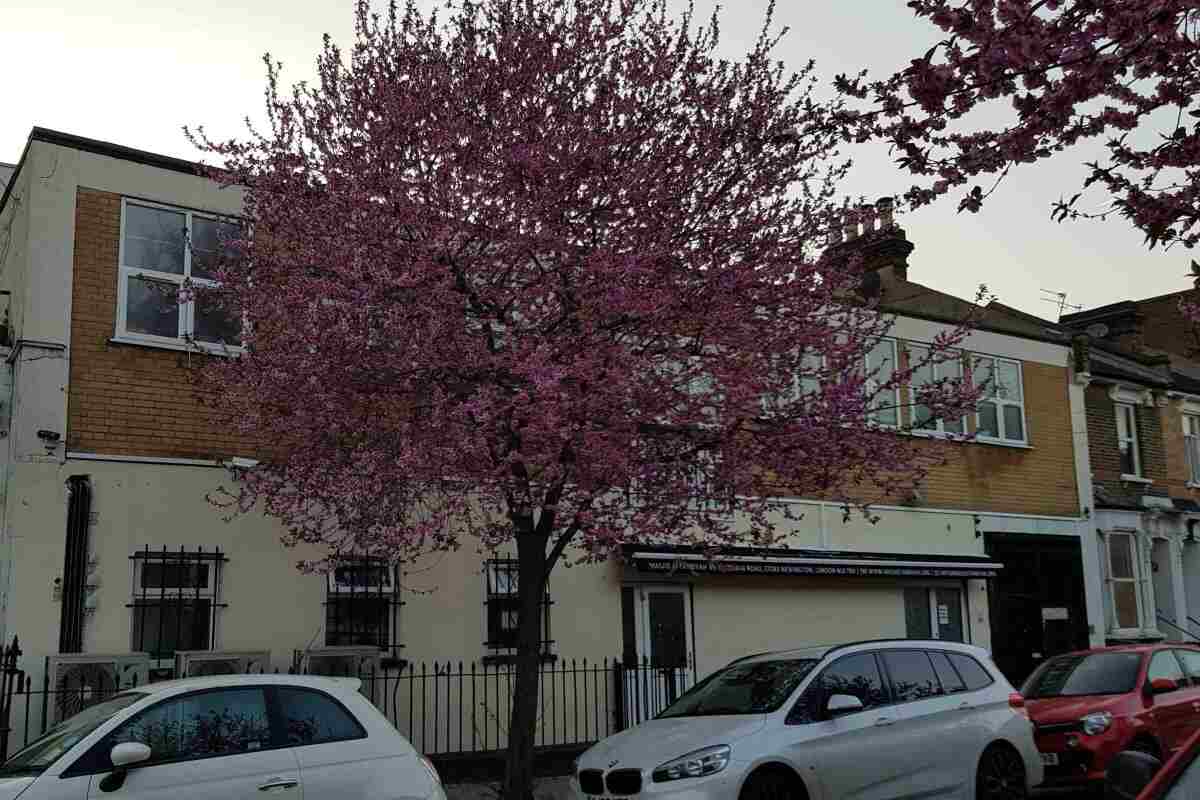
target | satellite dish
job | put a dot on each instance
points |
(1097, 330)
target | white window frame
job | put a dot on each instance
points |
(1002, 402)
(184, 340)
(1129, 436)
(1191, 447)
(872, 385)
(1138, 579)
(940, 429)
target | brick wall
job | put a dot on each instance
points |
(1164, 328)
(1037, 480)
(125, 399)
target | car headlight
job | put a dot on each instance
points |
(1097, 722)
(693, 765)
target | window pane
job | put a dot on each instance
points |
(154, 238)
(984, 375)
(1191, 662)
(953, 425)
(1125, 604)
(951, 682)
(1164, 665)
(208, 236)
(916, 614)
(1014, 426)
(1120, 553)
(1008, 381)
(152, 308)
(174, 575)
(357, 622)
(160, 627)
(912, 675)
(988, 424)
(216, 325)
(922, 416)
(200, 725)
(857, 676)
(971, 671)
(312, 718)
(1128, 462)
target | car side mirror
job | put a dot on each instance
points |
(1161, 686)
(124, 756)
(840, 705)
(1128, 773)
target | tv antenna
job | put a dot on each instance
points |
(1059, 299)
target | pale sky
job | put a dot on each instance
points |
(135, 72)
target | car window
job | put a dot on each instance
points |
(971, 671)
(199, 725)
(951, 680)
(47, 749)
(912, 675)
(856, 675)
(1079, 674)
(754, 687)
(312, 718)
(1164, 665)
(1191, 664)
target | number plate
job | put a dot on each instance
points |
(1050, 759)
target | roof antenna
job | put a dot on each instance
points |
(1059, 299)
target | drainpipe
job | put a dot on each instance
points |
(6, 544)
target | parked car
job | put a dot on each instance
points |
(1132, 774)
(1088, 706)
(885, 719)
(225, 738)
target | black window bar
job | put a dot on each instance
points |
(502, 601)
(362, 605)
(176, 598)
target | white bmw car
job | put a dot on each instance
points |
(225, 738)
(872, 720)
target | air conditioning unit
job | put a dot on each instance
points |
(198, 663)
(79, 680)
(343, 662)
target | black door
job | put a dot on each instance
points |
(1037, 602)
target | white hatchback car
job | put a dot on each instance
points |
(225, 738)
(872, 720)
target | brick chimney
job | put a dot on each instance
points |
(1121, 324)
(871, 232)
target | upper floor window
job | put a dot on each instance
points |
(1191, 445)
(1127, 439)
(880, 364)
(1001, 409)
(162, 248)
(922, 416)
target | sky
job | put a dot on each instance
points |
(133, 73)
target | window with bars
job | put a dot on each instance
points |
(176, 601)
(1191, 446)
(502, 604)
(1127, 439)
(362, 605)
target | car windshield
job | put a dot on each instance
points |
(1083, 674)
(47, 749)
(759, 687)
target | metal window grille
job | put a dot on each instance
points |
(502, 604)
(176, 601)
(362, 605)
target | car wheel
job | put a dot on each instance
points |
(1000, 775)
(772, 784)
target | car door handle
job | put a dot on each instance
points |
(883, 722)
(278, 783)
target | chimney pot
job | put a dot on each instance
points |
(866, 212)
(885, 207)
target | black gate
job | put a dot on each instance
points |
(11, 678)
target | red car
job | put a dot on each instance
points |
(1088, 706)
(1135, 775)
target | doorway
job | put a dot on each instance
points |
(658, 648)
(1036, 603)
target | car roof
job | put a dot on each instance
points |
(1135, 648)
(820, 651)
(184, 685)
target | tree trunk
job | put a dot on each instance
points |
(522, 728)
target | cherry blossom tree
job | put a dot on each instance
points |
(1069, 71)
(548, 275)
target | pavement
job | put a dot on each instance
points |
(543, 789)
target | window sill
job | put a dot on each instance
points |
(178, 346)
(1002, 443)
(501, 659)
(1192, 485)
(1135, 479)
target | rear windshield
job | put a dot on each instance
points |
(1083, 674)
(759, 687)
